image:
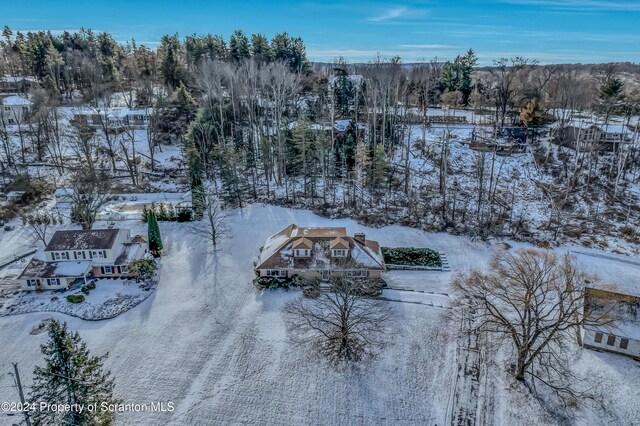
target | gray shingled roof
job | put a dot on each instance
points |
(83, 240)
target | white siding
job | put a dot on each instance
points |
(611, 342)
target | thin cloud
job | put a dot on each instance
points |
(602, 5)
(393, 13)
(427, 46)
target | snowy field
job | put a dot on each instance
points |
(110, 298)
(208, 342)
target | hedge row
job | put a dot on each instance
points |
(410, 256)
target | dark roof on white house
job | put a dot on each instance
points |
(83, 240)
(40, 269)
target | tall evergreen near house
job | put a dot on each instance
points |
(155, 241)
(71, 376)
(194, 166)
(234, 182)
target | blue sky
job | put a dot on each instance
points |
(551, 31)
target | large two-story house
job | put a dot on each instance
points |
(75, 255)
(319, 254)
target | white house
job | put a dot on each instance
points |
(75, 255)
(15, 109)
(114, 119)
(319, 253)
(622, 336)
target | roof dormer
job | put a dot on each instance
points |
(302, 247)
(339, 247)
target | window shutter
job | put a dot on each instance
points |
(102, 269)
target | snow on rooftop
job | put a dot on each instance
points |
(16, 100)
(72, 269)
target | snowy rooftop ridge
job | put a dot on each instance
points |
(16, 100)
(277, 251)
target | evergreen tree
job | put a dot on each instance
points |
(194, 168)
(171, 68)
(233, 177)
(239, 46)
(363, 163)
(456, 75)
(153, 230)
(260, 48)
(71, 376)
(378, 165)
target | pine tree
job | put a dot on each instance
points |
(363, 162)
(233, 177)
(171, 68)
(71, 376)
(155, 240)
(239, 46)
(194, 166)
(378, 165)
(260, 48)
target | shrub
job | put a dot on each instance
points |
(628, 231)
(75, 298)
(86, 289)
(411, 256)
(142, 269)
(164, 214)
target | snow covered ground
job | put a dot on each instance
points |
(208, 342)
(110, 298)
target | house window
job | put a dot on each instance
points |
(11, 121)
(98, 254)
(273, 273)
(611, 340)
(598, 338)
(302, 253)
(79, 255)
(56, 256)
(624, 343)
(64, 255)
(340, 253)
(123, 269)
(53, 281)
(107, 270)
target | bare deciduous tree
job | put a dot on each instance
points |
(344, 325)
(214, 224)
(90, 193)
(534, 301)
(39, 224)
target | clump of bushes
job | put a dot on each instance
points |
(142, 269)
(278, 282)
(170, 214)
(410, 256)
(86, 289)
(75, 298)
